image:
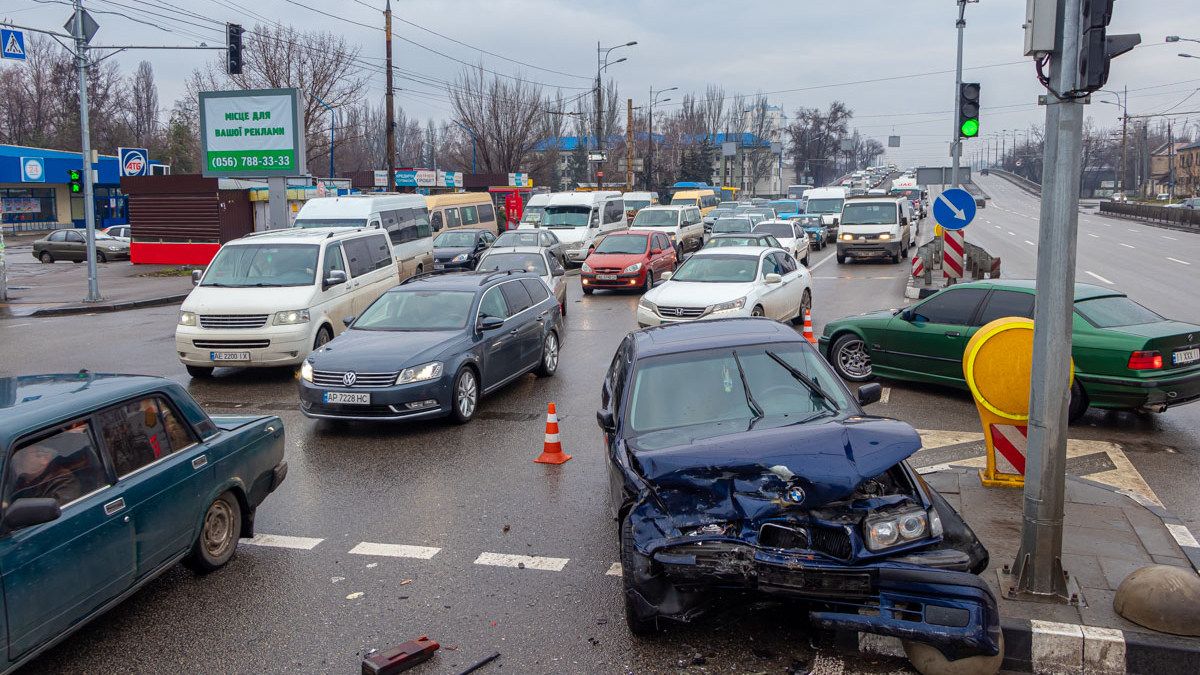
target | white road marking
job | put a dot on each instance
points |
(1171, 238)
(885, 395)
(1094, 236)
(1181, 262)
(526, 561)
(395, 550)
(822, 261)
(1098, 277)
(1182, 535)
(995, 226)
(283, 541)
(1126, 245)
(1011, 233)
(614, 570)
(1030, 243)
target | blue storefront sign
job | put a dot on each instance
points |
(33, 170)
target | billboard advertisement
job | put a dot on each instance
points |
(251, 133)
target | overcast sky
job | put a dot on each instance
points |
(799, 52)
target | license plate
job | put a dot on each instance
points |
(1186, 356)
(606, 277)
(229, 356)
(439, 266)
(347, 399)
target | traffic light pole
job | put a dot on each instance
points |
(956, 149)
(1037, 571)
(85, 141)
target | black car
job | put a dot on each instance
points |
(738, 460)
(432, 346)
(460, 249)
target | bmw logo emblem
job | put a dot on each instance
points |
(349, 378)
(795, 495)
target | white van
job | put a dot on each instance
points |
(578, 217)
(269, 299)
(876, 226)
(826, 201)
(535, 209)
(404, 217)
(681, 223)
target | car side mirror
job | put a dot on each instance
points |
(870, 393)
(490, 323)
(773, 278)
(335, 277)
(196, 275)
(30, 511)
(666, 276)
(605, 419)
(558, 272)
(347, 321)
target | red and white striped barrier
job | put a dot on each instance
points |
(918, 266)
(1010, 442)
(953, 248)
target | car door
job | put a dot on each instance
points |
(928, 340)
(773, 297)
(336, 301)
(160, 467)
(694, 228)
(500, 353)
(664, 261)
(58, 572)
(523, 322)
(359, 264)
(795, 281)
(74, 247)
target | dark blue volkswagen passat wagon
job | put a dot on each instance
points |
(432, 346)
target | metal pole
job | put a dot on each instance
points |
(332, 125)
(474, 143)
(629, 144)
(1124, 144)
(391, 115)
(85, 139)
(957, 147)
(649, 168)
(1170, 162)
(1038, 566)
(599, 104)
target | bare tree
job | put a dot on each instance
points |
(712, 111)
(32, 112)
(760, 162)
(506, 116)
(815, 140)
(142, 106)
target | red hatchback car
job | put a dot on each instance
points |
(632, 259)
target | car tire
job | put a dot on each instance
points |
(100, 257)
(631, 563)
(216, 543)
(1078, 404)
(805, 303)
(841, 259)
(324, 335)
(199, 371)
(850, 358)
(46, 257)
(587, 290)
(646, 287)
(548, 362)
(464, 396)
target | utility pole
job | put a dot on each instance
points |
(1038, 569)
(649, 168)
(85, 139)
(391, 114)
(629, 145)
(956, 149)
(1124, 144)
(599, 118)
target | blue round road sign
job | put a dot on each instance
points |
(954, 209)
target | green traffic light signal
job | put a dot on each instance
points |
(970, 128)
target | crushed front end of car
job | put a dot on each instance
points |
(830, 514)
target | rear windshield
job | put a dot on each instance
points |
(636, 204)
(655, 218)
(521, 262)
(824, 205)
(778, 229)
(517, 239)
(1115, 311)
(734, 225)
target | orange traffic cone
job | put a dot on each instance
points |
(808, 331)
(552, 452)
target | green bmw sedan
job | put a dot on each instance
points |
(1126, 356)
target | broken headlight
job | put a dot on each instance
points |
(891, 529)
(708, 529)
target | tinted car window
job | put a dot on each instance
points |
(381, 251)
(493, 304)
(64, 465)
(436, 219)
(517, 297)
(789, 263)
(1115, 311)
(57, 236)
(470, 215)
(140, 432)
(613, 210)
(1006, 303)
(402, 233)
(358, 253)
(333, 261)
(75, 237)
(486, 213)
(536, 289)
(952, 307)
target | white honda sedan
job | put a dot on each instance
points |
(718, 283)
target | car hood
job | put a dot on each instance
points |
(218, 300)
(448, 252)
(621, 260)
(381, 351)
(744, 475)
(696, 294)
(569, 235)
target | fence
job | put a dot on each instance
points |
(1182, 218)
(1020, 181)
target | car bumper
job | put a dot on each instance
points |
(123, 254)
(1156, 393)
(400, 402)
(950, 609)
(447, 266)
(283, 346)
(646, 318)
(868, 248)
(622, 281)
(575, 255)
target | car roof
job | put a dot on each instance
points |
(305, 235)
(472, 230)
(1082, 291)
(461, 281)
(875, 199)
(714, 333)
(540, 250)
(739, 235)
(30, 401)
(668, 207)
(748, 251)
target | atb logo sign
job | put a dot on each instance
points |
(134, 161)
(33, 170)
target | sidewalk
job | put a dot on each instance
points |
(1107, 535)
(36, 289)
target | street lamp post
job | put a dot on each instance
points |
(1124, 106)
(650, 135)
(602, 63)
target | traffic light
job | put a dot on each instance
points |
(233, 33)
(75, 181)
(1096, 47)
(968, 110)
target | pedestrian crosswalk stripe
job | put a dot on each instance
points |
(526, 561)
(283, 541)
(395, 550)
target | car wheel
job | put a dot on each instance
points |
(464, 396)
(46, 257)
(587, 290)
(649, 282)
(805, 305)
(850, 358)
(841, 259)
(805, 260)
(633, 563)
(323, 337)
(549, 362)
(1078, 404)
(757, 311)
(218, 538)
(562, 307)
(199, 371)
(100, 257)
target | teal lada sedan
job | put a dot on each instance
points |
(108, 481)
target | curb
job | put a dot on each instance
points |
(109, 306)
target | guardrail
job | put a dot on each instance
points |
(1181, 218)
(1020, 181)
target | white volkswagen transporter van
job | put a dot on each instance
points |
(578, 217)
(404, 217)
(876, 226)
(269, 299)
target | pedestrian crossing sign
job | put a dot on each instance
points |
(14, 44)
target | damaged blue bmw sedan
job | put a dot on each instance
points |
(739, 462)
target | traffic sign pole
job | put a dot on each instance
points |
(956, 149)
(85, 141)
